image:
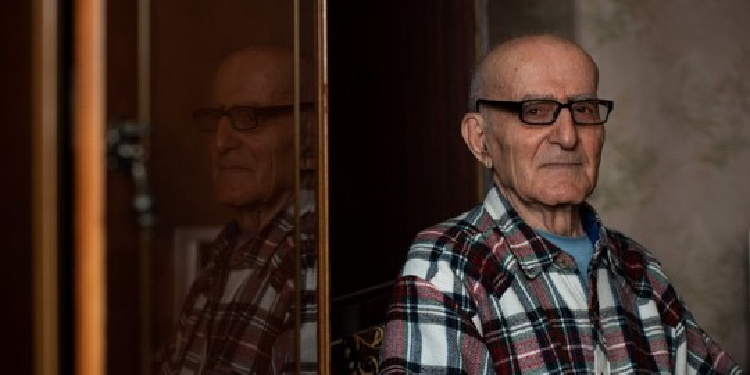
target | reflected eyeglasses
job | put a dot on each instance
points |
(241, 117)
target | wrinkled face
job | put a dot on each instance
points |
(553, 164)
(256, 166)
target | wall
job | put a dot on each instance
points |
(675, 169)
(675, 166)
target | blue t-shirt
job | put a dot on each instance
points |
(580, 248)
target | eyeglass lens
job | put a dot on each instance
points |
(240, 117)
(546, 111)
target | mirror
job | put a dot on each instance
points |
(173, 189)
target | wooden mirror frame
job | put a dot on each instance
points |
(324, 340)
(45, 198)
(88, 181)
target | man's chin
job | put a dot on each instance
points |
(235, 200)
(563, 198)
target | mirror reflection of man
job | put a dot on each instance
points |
(241, 314)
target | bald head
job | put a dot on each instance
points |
(501, 66)
(546, 168)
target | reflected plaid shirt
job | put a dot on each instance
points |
(483, 293)
(240, 314)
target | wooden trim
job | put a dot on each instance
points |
(324, 332)
(45, 198)
(88, 181)
(144, 61)
(145, 235)
(297, 184)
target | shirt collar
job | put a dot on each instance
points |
(533, 253)
(277, 233)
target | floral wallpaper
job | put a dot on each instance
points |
(675, 171)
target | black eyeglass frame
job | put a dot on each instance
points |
(258, 111)
(517, 106)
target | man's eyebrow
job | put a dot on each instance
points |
(552, 97)
(582, 96)
(538, 96)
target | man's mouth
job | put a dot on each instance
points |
(562, 164)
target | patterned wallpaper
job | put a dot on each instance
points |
(675, 171)
(676, 166)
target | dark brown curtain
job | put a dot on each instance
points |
(399, 79)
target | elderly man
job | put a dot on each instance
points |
(241, 314)
(531, 281)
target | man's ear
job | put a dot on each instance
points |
(472, 130)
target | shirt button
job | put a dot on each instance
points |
(532, 271)
(564, 261)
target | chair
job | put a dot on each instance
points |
(358, 353)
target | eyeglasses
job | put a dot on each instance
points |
(545, 112)
(241, 117)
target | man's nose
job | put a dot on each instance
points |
(225, 137)
(564, 130)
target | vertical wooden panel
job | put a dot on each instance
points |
(324, 331)
(88, 137)
(145, 248)
(44, 154)
(45, 186)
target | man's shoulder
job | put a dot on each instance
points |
(456, 234)
(643, 271)
(630, 251)
(467, 246)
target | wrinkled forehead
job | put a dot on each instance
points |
(254, 80)
(539, 69)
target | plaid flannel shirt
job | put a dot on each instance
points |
(240, 313)
(484, 293)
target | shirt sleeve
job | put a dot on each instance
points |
(427, 331)
(704, 356)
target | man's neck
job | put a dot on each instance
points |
(562, 220)
(253, 218)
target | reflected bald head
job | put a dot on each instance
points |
(262, 75)
(259, 75)
(497, 71)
